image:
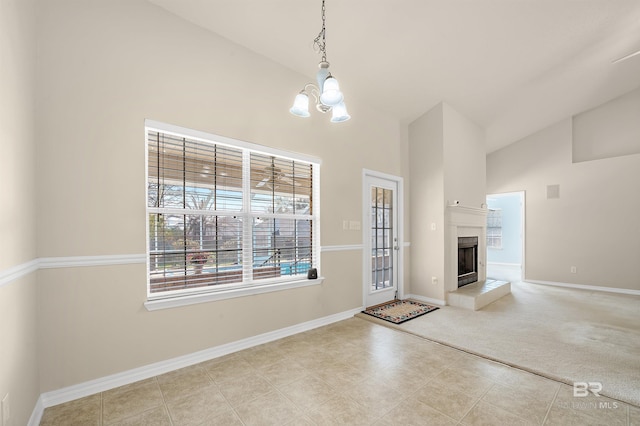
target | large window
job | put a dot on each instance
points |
(224, 214)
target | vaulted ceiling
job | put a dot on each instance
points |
(512, 66)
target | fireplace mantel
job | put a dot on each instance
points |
(466, 216)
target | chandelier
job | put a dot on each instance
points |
(326, 93)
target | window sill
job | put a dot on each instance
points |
(192, 299)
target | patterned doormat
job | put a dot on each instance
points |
(399, 311)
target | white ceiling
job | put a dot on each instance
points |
(512, 66)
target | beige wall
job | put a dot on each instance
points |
(593, 225)
(17, 120)
(464, 160)
(610, 130)
(447, 163)
(18, 297)
(426, 158)
(105, 66)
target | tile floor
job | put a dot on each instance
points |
(352, 372)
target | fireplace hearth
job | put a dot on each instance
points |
(467, 260)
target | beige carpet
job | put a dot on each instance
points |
(563, 334)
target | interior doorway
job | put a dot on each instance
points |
(505, 236)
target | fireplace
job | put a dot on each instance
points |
(467, 260)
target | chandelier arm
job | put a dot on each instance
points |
(315, 91)
(312, 88)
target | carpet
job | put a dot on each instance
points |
(399, 311)
(567, 335)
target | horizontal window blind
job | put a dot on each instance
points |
(221, 216)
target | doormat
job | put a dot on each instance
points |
(399, 311)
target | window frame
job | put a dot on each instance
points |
(497, 235)
(172, 298)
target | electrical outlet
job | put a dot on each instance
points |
(573, 270)
(434, 280)
(5, 410)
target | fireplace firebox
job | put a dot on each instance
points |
(467, 260)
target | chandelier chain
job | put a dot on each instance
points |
(321, 46)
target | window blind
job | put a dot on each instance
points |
(221, 216)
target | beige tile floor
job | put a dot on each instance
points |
(352, 372)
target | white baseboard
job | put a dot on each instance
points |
(428, 300)
(36, 414)
(70, 393)
(586, 287)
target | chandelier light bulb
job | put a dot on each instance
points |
(300, 106)
(339, 113)
(331, 94)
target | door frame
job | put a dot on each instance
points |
(366, 228)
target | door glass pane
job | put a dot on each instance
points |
(382, 238)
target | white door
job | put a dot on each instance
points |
(381, 242)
